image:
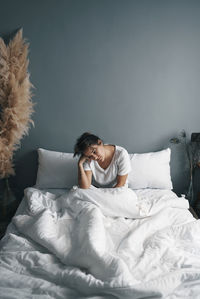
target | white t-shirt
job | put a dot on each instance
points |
(120, 165)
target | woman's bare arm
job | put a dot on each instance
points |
(84, 176)
(121, 180)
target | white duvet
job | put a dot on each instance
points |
(114, 242)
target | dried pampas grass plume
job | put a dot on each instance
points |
(16, 106)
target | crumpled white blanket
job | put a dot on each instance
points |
(113, 202)
(146, 261)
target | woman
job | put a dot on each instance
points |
(108, 165)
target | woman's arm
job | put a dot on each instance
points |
(84, 176)
(121, 180)
(124, 167)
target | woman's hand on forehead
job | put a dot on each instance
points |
(84, 158)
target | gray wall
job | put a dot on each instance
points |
(126, 70)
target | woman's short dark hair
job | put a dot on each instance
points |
(84, 141)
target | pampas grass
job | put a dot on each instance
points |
(16, 106)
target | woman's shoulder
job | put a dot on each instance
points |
(120, 151)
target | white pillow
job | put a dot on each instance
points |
(56, 169)
(150, 170)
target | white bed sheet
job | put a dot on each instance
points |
(26, 268)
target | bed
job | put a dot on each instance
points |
(67, 243)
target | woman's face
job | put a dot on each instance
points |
(95, 152)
